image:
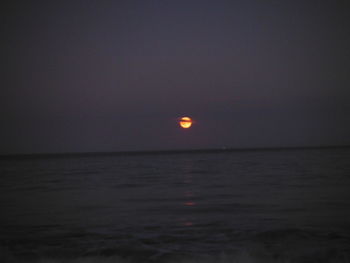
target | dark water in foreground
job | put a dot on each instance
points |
(240, 206)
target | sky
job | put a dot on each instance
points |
(94, 76)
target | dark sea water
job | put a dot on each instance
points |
(230, 206)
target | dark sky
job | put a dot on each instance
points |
(116, 75)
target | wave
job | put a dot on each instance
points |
(273, 246)
(253, 255)
(244, 257)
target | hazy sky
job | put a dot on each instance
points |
(116, 75)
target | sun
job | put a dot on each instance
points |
(185, 122)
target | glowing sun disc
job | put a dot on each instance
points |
(185, 122)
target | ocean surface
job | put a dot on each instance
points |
(286, 205)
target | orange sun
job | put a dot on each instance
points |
(185, 122)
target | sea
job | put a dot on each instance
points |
(272, 205)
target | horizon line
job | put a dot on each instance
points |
(167, 151)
